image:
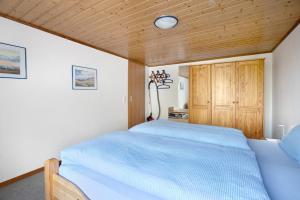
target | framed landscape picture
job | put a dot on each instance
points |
(84, 78)
(12, 61)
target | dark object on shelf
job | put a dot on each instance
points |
(178, 115)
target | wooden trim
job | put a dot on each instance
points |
(57, 187)
(214, 58)
(287, 34)
(233, 61)
(58, 34)
(23, 176)
(262, 68)
(136, 93)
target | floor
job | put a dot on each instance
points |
(31, 188)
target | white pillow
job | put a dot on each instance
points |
(291, 143)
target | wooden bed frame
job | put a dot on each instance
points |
(57, 187)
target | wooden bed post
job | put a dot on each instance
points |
(57, 187)
(51, 168)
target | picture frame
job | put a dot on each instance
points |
(84, 78)
(13, 63)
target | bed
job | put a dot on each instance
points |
(280, 173)
(151, 162)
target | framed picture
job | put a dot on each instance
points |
(12, 61)
(84, 78)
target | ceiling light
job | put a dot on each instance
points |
(166, 22)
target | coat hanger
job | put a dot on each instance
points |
(162, 79)
(162, 86)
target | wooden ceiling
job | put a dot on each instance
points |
(207, 28)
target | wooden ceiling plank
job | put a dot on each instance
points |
(69, 13)
(125, 27)
(7, 6)
(39, 10)
(256, 6)
(205, 58)
(213, 21)
(150, 18)
(150, 14)
(210, 41)
(87, 15)
(52, 12)
(99, 12)
(23, 7)
(217, 44)
(138, 17)
(183, 57)
(286, 34)
(203, 44)
(213, 52)
(139, 20)
(217, 29)
(200, 54)
(98, 25)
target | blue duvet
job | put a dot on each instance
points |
(202, 133)
(171, 168)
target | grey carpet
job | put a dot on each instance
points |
(31, 188)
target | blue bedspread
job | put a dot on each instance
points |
(97, 186)
(281, 174)
(171, 168)
(203, 133)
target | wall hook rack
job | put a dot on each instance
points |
(162, 79)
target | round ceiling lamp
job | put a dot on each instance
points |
(166, 22)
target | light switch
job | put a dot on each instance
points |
(124, 99)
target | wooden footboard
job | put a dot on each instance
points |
(57, 187)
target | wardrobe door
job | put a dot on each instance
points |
(223, 94)
(249, 115)
(200, 95)
(136, 93)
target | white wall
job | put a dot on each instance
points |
(42, 115)
(183, 94)
(286, 83)
(267, 85)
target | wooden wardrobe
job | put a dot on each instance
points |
(228, 94)
(136, 93)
